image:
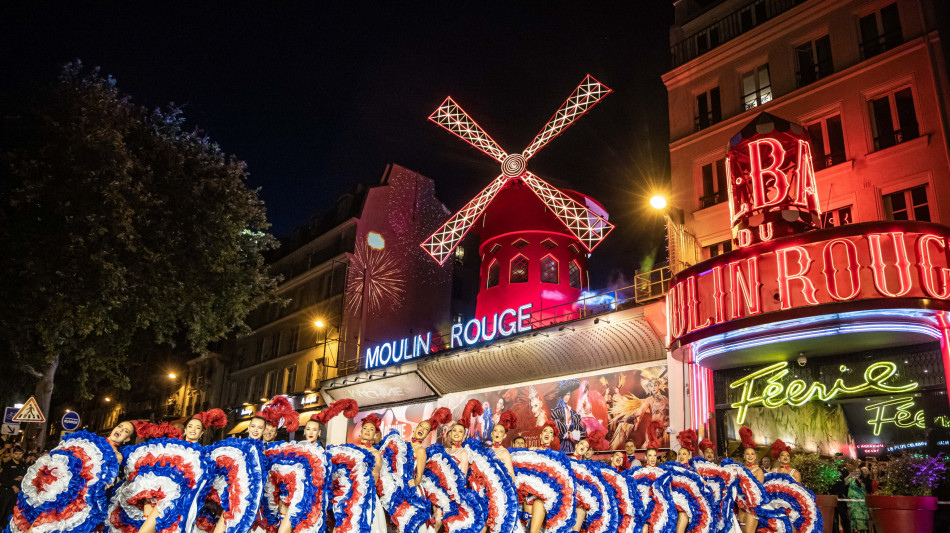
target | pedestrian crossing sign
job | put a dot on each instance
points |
(30, 412)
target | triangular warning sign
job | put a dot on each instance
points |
(30, 412)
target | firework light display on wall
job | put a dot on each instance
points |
(379, 275)
(589, 227)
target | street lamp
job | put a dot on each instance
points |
(683, 246)
(658, 202)
(108, 399)
(172, 375)
(319, 324)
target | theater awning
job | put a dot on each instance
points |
(241, 427)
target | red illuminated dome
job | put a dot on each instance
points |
(535, 238)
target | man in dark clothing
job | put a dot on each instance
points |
(10, 480)
(840, 489)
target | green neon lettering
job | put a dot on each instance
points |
(902, 417)
(797, 393)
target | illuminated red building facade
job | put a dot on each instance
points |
(809, 157)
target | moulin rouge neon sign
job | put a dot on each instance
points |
(476, 330)
(764, 388)
(898, 261)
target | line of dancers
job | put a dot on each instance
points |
(168, 482)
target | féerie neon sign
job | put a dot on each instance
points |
(902, 416)
(763, 388)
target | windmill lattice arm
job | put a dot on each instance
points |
(441, 243)
(584, 97)
(586, 225)
(453, 118)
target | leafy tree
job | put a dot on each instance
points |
(119, 231)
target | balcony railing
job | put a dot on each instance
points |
(882, 43)
(728, 28)
(712, 199)
(647, 287)
(896, 137)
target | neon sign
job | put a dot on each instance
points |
(772, 188)
(309, 399)
(902, 416)
(504, 324)
(508, 322)
(895, 261)
(763, 388)
(391, 353)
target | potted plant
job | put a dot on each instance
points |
(904, 502)
(818, 475)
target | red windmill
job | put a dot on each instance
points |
(535, 238)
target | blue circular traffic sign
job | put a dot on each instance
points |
(70, 421)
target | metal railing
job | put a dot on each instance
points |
(648, 286)
(728, 28)
(882, 43)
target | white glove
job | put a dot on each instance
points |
(575, 435)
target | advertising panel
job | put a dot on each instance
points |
(622, 404)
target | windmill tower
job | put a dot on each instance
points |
(535, 238)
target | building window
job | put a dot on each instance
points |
(574, 272)
(290, 381)
(308, 377)
(519, 270)
(574, 249)
(719, 248)
(893, 118)
(549, 244)
(495, 248)
(460, 254)
(494, 272)
(827, 142)
(880, 31)
(275, 344)
(814, 61)
(752, 15)
(910, 204)
(549, 270)
(708, 109)
(294, 344)
(836, 217)
(520, 243)
(714, 184)
(260, 349)
(756, 87)
(251, 389)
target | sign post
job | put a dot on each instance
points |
(30, 412)
(70, 421)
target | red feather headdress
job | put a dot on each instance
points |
(148, 430)
(348, 407)
(778, 447)
(687, 439)
(439, 417)
(706, 444)
(653, 438)
(472, 408)
(597, 440)
(745, 435)
(214, 418)
(509, 420)
(374, 419)
(280, 412)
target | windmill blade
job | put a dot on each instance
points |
(441, 243)
(584, 97)
(586, 225)
(453, 118)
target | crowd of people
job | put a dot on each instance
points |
(265, 482)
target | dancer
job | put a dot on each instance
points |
(368, 430)
(549, 440)
(312, 429)
(420, 434)
(782, 453)
(195, 428)
(120, 435)
(584, 496)
(473, 408)
(499, 432)
(617, 460)
(492, 477)
(707, 450)
(278, 413)
(255, 429)
(747, 516)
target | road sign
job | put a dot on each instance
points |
(9, 413)
(30, 412)
(70, 421)
(10, 429)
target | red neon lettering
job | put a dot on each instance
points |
(719, 295)
(745, 287)
(765, 232)
(675, 305)
(785, 277)
(760, 197)
(830, 271)
(744, 238)
(928, 274)
(901, 263)
(807, 194)
(693, 306)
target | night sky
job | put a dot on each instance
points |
(317, 98)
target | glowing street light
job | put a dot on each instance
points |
(172, 375)
(108, 399)
(319, 323)
(658, 202)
